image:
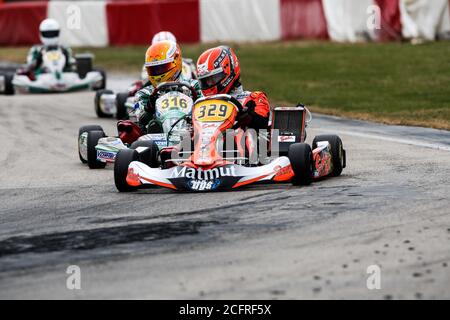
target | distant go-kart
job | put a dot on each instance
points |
(173, 104)
(210, 167)
(54, 78)
(109, 104)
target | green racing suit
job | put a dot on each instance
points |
(144, 107)
(34, 59)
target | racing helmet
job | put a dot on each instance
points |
(49, 32)
(218, 70)
(163, 35)
(163, 62)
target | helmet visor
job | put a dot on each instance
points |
(211, 81)
(159, 69)
(50, 34)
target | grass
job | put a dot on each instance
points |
(394, 83)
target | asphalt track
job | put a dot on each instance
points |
(390, 207)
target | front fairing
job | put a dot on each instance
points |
(172, 111)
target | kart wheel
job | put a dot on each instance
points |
(123, 159)
(92, 141)
(83, 65)
(98, 110)
(337, 152)
(9, 87)
(148, 156)
(103, 83)
(301, 158)
(122, 113)
(86, 129)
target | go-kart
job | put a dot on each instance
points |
(173, 106)
(109, 104)
(210, 166)
(53, 78)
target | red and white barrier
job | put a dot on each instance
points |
(391, 27)
(122, 22)
(19, 22)
(136, 22)
(425, 19)
(347, 19)
(303, 19)
(83, 23)
(237, 20)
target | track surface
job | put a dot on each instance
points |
(390, 207)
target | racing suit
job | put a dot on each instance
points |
(144, 108)
(256, 108)
(189, 69)
(34, 59)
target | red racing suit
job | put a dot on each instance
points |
(256, 108)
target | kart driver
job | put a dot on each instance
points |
(219, 72)
(163, 62)
(49, 34)
(189, 70)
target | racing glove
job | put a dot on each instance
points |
(256, 121)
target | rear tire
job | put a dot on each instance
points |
(98, 110)
(122, 113)
(9, 87)
(123, 159)
(301, 158)
(92, 141)
(84, 65)
(148, 156)
(86, 129)
(337, 152)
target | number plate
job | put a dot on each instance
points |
(174, 100)
(213, 111)
(53, 55)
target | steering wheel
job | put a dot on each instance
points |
(184, 117)
(174, 86)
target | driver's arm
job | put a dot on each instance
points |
(144, 108)
(70, 61)
(196, 85)
(34, 58)
(258, 108)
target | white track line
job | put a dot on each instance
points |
(435, 146)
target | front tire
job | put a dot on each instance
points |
(97, 99)
(92, 141)
(123, 159)
(80, 132)
(337, 152)
(301, 158)
(148, 156)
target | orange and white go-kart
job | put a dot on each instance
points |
(205, 163)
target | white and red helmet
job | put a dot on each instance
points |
(218, 70)
(162, 36)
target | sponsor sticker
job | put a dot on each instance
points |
(202, 185)
(286, 138)
(106, 155)
(199, 174)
